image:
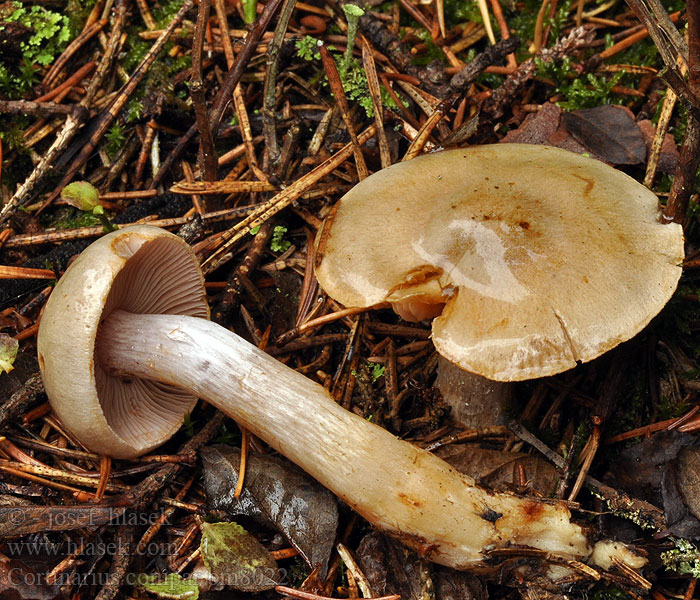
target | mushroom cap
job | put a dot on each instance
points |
(543, 258)
(141, 269)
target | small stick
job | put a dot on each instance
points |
(353, 567)
(431, 122)
(539, 28)
(208, 162)
(55, 237)
(246, 133)
(647, 430)
(36, 108)
(269, 86)
(162, 519)
(287, 591)
(339, 94)
(243, 463)
(105, 470)
(7, 272)
(661, 129)
(376, 95)
(684, 176)
(324, 320)
(505, 32)
(23, 399)
(234, 75)
(146, 15)
(590, 452)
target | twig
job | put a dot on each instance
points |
(122, 556)
(40, 108)
(376, 96)
(207, 154)
(339, 94)
(287, 591)
(667, 39)
(269, 86)
(684, 176)
(234, 75)
(22, 400)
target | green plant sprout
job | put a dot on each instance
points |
(115, 137)
(377, 371)
(278, 243)
(250, 11)
(84, 196)
(307, 48)
(352, 14)
(8, 352)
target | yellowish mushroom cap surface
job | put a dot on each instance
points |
(543, 258)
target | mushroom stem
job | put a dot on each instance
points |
(396, 486)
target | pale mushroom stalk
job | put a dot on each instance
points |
(393, 484)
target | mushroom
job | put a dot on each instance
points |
(531, 258)
(125, 330)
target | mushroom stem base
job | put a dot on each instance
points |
(396, 486)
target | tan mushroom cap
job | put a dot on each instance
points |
(140, 269)
(543, 258)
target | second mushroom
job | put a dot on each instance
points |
(531, 258)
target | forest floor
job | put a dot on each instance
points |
(239, 126)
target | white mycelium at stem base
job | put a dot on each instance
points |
(393, 484)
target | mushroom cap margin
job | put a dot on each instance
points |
(68, 331)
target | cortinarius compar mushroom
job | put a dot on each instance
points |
(534, 258)
(123, 332)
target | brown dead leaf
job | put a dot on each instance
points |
(545, 127)
(20, 582)
(653, 471)
(277, 494)
(688, 467)
(609, 132)
(496, 469)
(392, 569)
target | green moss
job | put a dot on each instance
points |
(586, 91)
(49, 34)
(432, 53)
(278, 243)
(683, 559)
(70, 218)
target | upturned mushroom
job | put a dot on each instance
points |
(125, 347)
(531, 259)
